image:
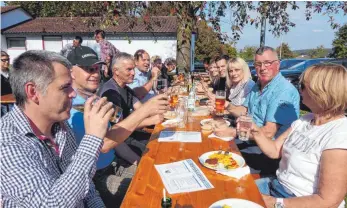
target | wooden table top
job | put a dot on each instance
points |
(146, 187)
(8, 99)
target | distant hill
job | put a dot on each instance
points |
(306, 51)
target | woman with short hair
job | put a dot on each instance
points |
(313, 151)
(238, 80)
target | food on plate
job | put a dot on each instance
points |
(212, 162)
(226, 206)
(170, 115)
(224, 160)
(216, 123)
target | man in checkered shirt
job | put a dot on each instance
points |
(41, 165)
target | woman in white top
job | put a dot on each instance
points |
(313, 151)
(238, 81)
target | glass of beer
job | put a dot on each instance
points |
(244, 126)
(220, 102)
(118, 111)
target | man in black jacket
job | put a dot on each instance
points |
(5, 83)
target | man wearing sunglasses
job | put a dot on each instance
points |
(273, 104)
(113, 174)
(5, 83)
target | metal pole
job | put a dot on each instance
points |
(262, 31)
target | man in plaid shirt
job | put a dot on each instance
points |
(41, 165)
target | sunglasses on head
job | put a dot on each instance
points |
(91, 69)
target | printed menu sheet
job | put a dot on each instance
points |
(183, 176)
(179, 136)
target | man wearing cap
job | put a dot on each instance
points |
(86, 76)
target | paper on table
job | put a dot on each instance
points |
(183, 176)
(179, 136)
(237, 173)
(171, 122)
(222, 138)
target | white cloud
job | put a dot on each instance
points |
(317, 30)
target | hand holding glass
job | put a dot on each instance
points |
(244, 126)
(118, 111)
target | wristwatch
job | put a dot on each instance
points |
(279, 203)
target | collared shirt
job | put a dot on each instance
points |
(77, 124)
(32, 175)
(107, 48)
(140, 79)
(278, 102)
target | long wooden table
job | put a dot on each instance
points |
(146, 187)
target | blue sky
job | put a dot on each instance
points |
(305, 35)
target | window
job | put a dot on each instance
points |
(52, 43)
(15, 43)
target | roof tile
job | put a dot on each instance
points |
(77, 25)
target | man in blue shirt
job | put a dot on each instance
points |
(144, 76)
(273, 104)
(85, 74)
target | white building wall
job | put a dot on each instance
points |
(164, 47)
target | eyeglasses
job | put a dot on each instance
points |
(266, 63)
(4, 60)
(91, 69)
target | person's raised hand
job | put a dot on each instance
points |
(96, 116)
(158, 104)
(155, 72)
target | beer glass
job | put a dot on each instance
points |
(244, 126)
(160, 86)
(118, 111)
(220, 102)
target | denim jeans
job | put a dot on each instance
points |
(272, 187)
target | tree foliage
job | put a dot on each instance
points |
(208, 44)
(247, 53)
(188, 12)
(340, 43)
(284, 51)
(319, 52)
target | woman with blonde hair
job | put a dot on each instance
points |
(238, 81)
(313, 151)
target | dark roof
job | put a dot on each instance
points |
(8, 8)
(168, 24)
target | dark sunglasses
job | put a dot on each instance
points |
(301, 86)
(4, 60)
(91, 69)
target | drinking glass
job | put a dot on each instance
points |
(244, 126)
(220, 102)
(182, 112)
(173, 94)
(118, 111)
(160, 86)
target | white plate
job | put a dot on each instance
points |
(239, 160)
(235, 203)
(202, 122)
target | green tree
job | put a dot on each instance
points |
(319, 52)
(229, 50)
(284, 51)
(247, 53)
(187, 13)
(340, 43)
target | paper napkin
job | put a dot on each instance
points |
(222, 138)
(236, 173)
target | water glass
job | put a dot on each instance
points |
(244, 126)
(118, 111)
(182, 112)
